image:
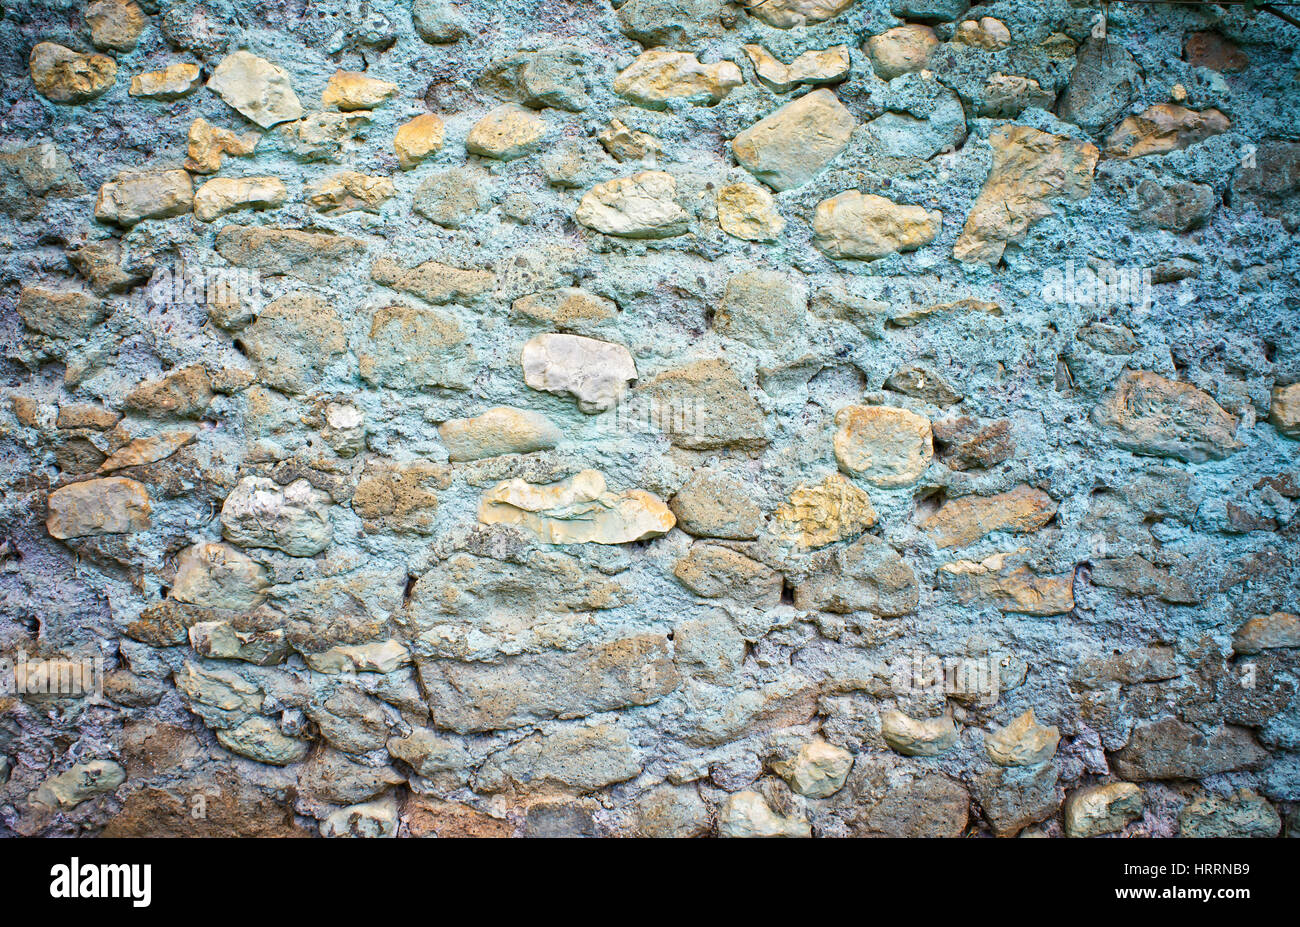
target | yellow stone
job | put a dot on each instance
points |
(171, 83)
(417, 139)
(350, 90)
(748, 212)
(832, 510)
(223, 195)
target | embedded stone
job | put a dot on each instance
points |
(293, 518)
(763, 309)
(208, 144)
(577, 510)
(747, 814)
(349, 190)
(640, 206)
(115, 25)
(1284, 410)
(818, 770)
(1023, 742)
(595, 373)
(1102, 809)
(929, 737)
(547, 77)
(1267, 632)
(584, 757)
(147, 450)
(788, 14)
(1172, 749)
(1009, 586)
(748, 212)
(433, 281)
(223, 195)
(294, 339)
(59, 313)
(438, 22)
(223, 640)
(256, 89)
(868, 576)
(138, 195)
(418, 138)
(350, 90)
(1243, 814)
(712, 504)
(110, 505)
(378, 657)
(659, 76)
(506, 133)
(64, 76)
(901, 50)
(825, 66)
(714, 572)
(399, 498)
(1162, 128)
(829, 511)
(498, 431)
(885, 446)
(626, 144)
(1150, 415)
(704, 406)
(965, 520)
(793, 144)
(171, 83)
(451, 198)
(986, 32)
(78, 784)
(182, 393)
(1102, 85)
(565, 308)
(219, 576)
(313, 257)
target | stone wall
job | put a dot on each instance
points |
(666, 417)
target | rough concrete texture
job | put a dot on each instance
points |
(359, 562)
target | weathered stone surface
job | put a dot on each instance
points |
(59, 314)
(565, 308)
(747, 814)
(78, 784)
(1012, 798)
(313, 257)
(138, 195)
(715, 572)
(659, 76)
(595, 373)
(793, 144)
(293, 340)
(763, 309)
(712, 504)
(219, 576)
(1102, 85)
(787, 14)
(171, 83)
(256, 88)
(985, 32)
(640, 206)
(1023, 742)
(259, 739)
(866, 226)
(901, 50)
(1175, 750)
(223, 195)
(577, 510)
(1148, 414)
(1001, 580)
(182, 393)
(451, 198)
(1267, 632)
(1161, 128)
(964, 521)
(349, 90)
(111, 505)
(1240, 815)
(823, 513)
(65, 76)
(627, 144)
(1178, 207)
(1031, 171)
(703, 406)
(349, 190)
(371, 820)
(399, 498)
(669, 811)
(749, 212)
(817, 770)
(964, 444)
(418, 138)
(115, 24)
(883, 445)
(433, 281)
(479, 697)
(294, 519)
(1284, 410)
(547, 77)
(498, 431)
(1138, 576)
(412, 348)
(506, 133)
(868, 576)
(1102, 809)
(208, 145)
(825, 66)
(585, 758)
(927, 737)
(930, 805)
(142, 451)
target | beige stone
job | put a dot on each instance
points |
(261, 740)
(171, 83)
(506, 133)
(115, 25)
(111, 505)
(787, 14)
(565, 308)
(747, 814)
(714, 504)
(829, 511)
(763, 309)
(184, 393)
(1161, 128)
(627, 144)
(64, 76)
(325, 136)
(1031, 171)
(595, 373)
(148, 450)
(1267, 632)
(883, 445)
(256, 88)
(1102, 809)
(208, 143)
(414, 348)
(866, 226)
(577, 510)
(964, 521)
(349, 190)
(929, 737)
(1023, 742)
(293, 340)
(351, 90)
(901, 50)
(293, 518)
(703, 405)
(498, 431)
(79, 783)
(715, 572)
(818, 770)
(1284, 410)
(314, 257)
(986, 32)
(659, 76)
(418, 138)
(219, 576)
(433, 281)
(749, 212)
(640, 206)
(223, 195)
(1151, 415)
(1010, 586)
(138, 195)
(378, 657)
(399, 498)
(825, 66)
(59, 313)
(793, 144)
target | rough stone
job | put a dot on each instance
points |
(1148, 414)
(110, 505)
(577, 510)
(65, 76)
(791, 146)
(256, 89)
(964, 521)
(659, 76)
(640, 206)
(1102, 809)
(294, 519)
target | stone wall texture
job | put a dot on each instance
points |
(657, 417)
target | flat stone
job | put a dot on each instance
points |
(1162, 128)
(59, 313)
(792, 145)
(1284, 410)
(788, 14)
(965, 520)
(256, 88)
(1172, 749)
(763, 309)
(293, 518)
(1031, 171)
(577, 510)
(147, 450)
(378, 657)
(1102, 85)
(747, 814)
(184, 392)
(823, 513)
(433, 281)
(293, 340)
(704, 406)
(1023, 742)
(78, 784)
(346, 191)
(1102, 809)
(565, 308)
(885, 446)
(595, 373)
(1138, 576)
(351, 90)
(1150, 415)
(64, 76)
(138, 195)
(498, 431)
(583, 757)
(115, 25)
(1267, 632)
(714, 572)
(749, 212)
(219, 576)
(506, 133)
(640, 206)
(817, 770)
(928, 737)
(223, 195)
(313, 257)
(171, 83)
(868, 576)
(111, 505)
(1243, 814)
(208, 145)
(452, 198)
(901, 50)
(418, 138)
(659, 76)
(1000, 580)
